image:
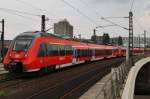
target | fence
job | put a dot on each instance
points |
(113, 87)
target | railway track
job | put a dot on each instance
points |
(83, 82)
(71, 82)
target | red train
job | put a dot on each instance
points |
(43, 51)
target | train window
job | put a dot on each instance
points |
(62, 50)
(53, 50)
(25, 37)
(100, 52)
(79, 53)
(21, 44)
(83, 53)
(124, 50)
(49, 51)
(115, 50)
(68, 50)
(108, 52)
(90, 53)
(56, 50)
(42, 50)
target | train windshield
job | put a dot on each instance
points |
(21, 44)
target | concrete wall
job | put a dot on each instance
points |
(142, 84)
(128, 92)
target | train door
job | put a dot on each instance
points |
(62, 55)
(93, 54)
(42, 55)
(89, 54)
(74, 61)
(113, 52)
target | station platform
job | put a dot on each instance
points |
(95, 91)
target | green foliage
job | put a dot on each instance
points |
(120, 40)
(2, 93)
(106, 38)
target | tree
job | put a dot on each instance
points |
(120, 40)
(106, 38)
(93, 38)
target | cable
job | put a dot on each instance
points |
(10, 12)
(26, 13)
(96, 12)
(105, 26)
(114, 23)
(77, 10)
(115, 17)
(49, 29)
(38, 8)
(33, 6)
(25, 17)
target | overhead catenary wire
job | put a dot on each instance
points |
(22, 12)
(13, 13)
(115, 17)
(69, 4)
(41, 9)
(38, 8)
(34, 7)
(49, 29)
(105, 26)
(19, 15)
(95, 11)
(114, 23)
(78, 10)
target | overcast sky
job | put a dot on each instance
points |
(92, 11)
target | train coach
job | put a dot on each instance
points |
(35, 51)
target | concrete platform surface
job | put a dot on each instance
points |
(96, 89)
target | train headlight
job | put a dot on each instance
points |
(26, 54)
(10, 54)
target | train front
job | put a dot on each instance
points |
(18, 54)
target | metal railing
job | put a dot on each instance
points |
(113, 87)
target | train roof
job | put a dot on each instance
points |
(54, 38)
(45, 34)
